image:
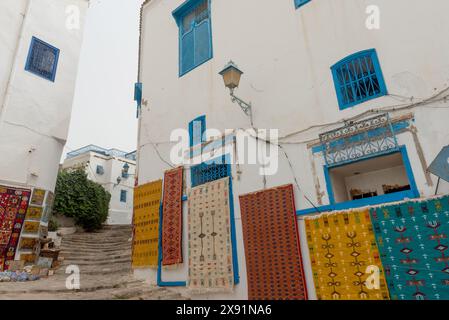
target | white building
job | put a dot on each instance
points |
(312, 68)
(40, 48)
(106, 167)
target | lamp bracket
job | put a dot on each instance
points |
(245, 106)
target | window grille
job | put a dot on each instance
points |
(358, 78)
(42, 59)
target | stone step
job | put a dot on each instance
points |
(109, 270)
(96, 242)
(104, 262)
(74, 247)
(95, 256)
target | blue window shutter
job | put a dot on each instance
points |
(299, 3)
(123, 195)
(202, 42)
(138, 93)
(187, 51)
(197, 129)
(195, 35)
(358, 78)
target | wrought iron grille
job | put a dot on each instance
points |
(204, 173)
(359, 140)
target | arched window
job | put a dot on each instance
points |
(358, 78)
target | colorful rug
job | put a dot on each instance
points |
(34, 213)
(147, 199)
(413, 242)
(272, 248)
(342, 248)
(210, 246)
(172, 217)
(37, 198)
(13, 207)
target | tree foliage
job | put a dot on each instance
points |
(82, 199)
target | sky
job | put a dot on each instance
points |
(104, 111)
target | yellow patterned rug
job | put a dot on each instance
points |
(210, 247)
(147, 199)
(345, 258)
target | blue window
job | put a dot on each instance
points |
(299, 3)
(358, 78)
(195, 34)
(123, 194)
(42, 59)
(100, 170)
(197, 130)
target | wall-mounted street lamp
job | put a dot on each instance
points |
(125, 173)
(231, 76)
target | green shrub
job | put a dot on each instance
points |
(84, 200)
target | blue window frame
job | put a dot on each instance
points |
(42, 59)
(123, 194)
(299, 3)
(197, 129)
(195, 34)
(358, 78)
(100, 170)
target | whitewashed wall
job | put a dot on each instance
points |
(35, 112)
(286, 55)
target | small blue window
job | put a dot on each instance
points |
(358, 78)
(299, 3)
(197, 129)
(100, 170)
(195, 34)
(42, 59)
(123, 194)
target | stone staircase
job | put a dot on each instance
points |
(104, 259)
(107, 251)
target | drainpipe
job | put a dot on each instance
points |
(15, 60)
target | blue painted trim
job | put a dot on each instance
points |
(161, 283)
(201, 119)
(227, 160)
(397, 196)
(409, 170)
(213, 144)
(179, 13)
(392, 197)
(397, 127)
(378, 70)
(28, 61)
(299, 3)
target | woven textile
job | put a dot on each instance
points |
(38, 197)
(172, 217)
(272, 249)
(34, 213)
(342, 246)
(210, 247)
(13, 207)
(413, 242)
(147, 200)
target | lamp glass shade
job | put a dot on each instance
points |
(231, 75)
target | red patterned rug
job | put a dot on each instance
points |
(272, 250)
(172, 217)
(13, 207)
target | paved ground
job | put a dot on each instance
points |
(104, 259)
